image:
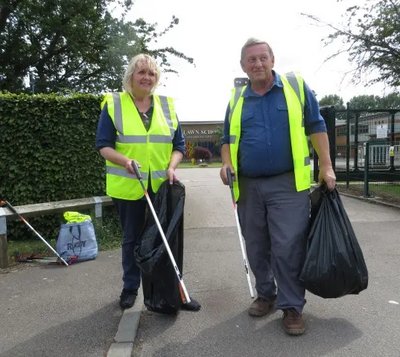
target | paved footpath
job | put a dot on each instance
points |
(364, 325)
(56, 311)
(51, 311)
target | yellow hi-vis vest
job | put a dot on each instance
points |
(152, 149)
(293, 88)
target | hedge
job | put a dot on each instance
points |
(47, 153)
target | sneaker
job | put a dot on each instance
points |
(261, 307)
(293, 322)
(127, 298)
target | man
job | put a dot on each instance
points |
(266, 148)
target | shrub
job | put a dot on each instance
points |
(47, 153)
(200, 153)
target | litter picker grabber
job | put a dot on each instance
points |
(184, 294)
(244, 256)
(5, 203)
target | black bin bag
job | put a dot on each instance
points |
(334, 264)
(159, 281)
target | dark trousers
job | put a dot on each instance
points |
(131, 215)
(274, 219)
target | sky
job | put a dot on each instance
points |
(214, 31)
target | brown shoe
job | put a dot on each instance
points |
(261, 307)
(293, 322)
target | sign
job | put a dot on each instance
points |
(381, 131)
(199, 133)
(391, 151)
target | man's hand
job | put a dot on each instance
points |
(129, 167)
(327, 175)
(172, 176)
(222, 173)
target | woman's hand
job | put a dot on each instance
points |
(129, 167)
(172, 176)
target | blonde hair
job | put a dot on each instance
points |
(252, 42)
(134, 62)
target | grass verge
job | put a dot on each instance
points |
(382, 192)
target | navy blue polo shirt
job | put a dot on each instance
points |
(107, 135)
(265, 147)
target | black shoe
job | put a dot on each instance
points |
(193, 305)
(127, 298)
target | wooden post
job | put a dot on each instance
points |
(3, 239)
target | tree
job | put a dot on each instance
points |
(219, 135)
(371, 38)
(365, 102)
(73, 45)
(391, 101)
(332, 99)
(336, 101)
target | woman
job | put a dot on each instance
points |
(137, 126)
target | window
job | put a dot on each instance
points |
(363, 129)
(397, 145)
(341, 131)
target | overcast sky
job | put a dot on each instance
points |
(213, 32)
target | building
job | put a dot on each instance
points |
(371, 127)
(206, 134)
(374, 128)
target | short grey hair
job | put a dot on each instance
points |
(134, 62)
(252, 41)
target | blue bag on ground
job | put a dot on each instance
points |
(77, 239)
(334, 264)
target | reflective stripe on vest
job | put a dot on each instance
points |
(117, 171)
(153, 157)
(142, 138)
(293, 87)
(123, 173)
(167, 114)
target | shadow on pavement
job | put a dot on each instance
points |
(245, 336)
(86, 337)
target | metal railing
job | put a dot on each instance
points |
(378, 157)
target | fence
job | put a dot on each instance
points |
(365, 150)
(95, 204)
(375, 157)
